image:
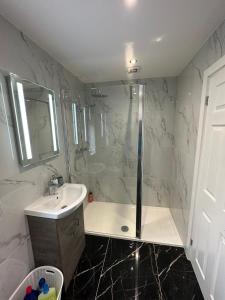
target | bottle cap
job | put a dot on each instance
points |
(28, 289)
(41, 283)
(45, 288)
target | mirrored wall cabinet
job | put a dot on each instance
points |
(35, 119)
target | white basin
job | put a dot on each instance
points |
(68, 198)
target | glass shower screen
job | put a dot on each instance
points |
(113, 166)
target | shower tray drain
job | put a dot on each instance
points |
(124, 228)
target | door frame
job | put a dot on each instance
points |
(219, 64)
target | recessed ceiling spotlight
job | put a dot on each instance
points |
(133, 61)
(130, 3)
(158, 39)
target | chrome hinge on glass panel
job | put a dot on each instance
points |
(207, 100)
(191, 242)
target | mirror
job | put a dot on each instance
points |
(35, 121)
(75, 123)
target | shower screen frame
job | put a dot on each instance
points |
(139, 162)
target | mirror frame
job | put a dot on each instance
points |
(22, 133)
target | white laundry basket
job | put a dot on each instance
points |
(52, 275)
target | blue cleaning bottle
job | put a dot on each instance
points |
(31, 294)
(47, 293)
(41, 283)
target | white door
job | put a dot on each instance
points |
(208, 248)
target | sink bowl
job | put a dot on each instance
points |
(68, 198)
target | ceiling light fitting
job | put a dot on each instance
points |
(158, 39)
(133, 70)
(133, 61)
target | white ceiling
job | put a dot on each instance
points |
(95, 39)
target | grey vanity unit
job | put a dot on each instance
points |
(58, 242)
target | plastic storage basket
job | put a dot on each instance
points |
(53, 276)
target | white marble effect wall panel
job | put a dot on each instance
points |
(159, 112)
(186, 125)
(120, 158)
(18, 188)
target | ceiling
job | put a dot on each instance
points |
(95, 39)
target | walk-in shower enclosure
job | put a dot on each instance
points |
(107, 136)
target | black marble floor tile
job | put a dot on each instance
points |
(133, 270)
(86, 278)
(127, 273)
(176, 278)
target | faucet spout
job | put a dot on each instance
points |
(53, 185)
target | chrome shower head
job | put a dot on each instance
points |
(96, 93)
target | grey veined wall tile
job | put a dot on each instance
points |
(189, 88)
(18, 188)
(112, 168)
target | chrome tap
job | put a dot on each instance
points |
(53, 185)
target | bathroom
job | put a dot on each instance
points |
(131, 83)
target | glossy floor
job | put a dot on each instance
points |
(105, 218)
(122, 269)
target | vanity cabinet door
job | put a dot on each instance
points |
(59, 243)
(71, 237)
(44, 241)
